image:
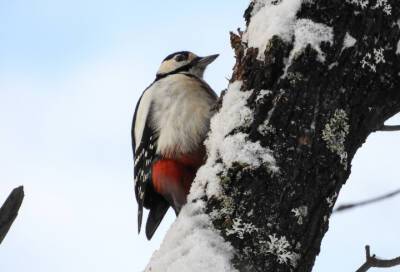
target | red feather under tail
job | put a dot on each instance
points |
(172, 179)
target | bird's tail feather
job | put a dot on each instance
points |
(156, 214)
(140, 216)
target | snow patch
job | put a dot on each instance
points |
(192, 245)
(307, 33)
(263, 94)
(279, 18)
(207, 181)
(333, 65)
(398, 48)
(265, 128)
(349, 41)
(238, 149)
(233, 113)
(259, 4)
(271, 18)
(398, 44)
(220, 144)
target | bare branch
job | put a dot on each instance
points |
(373, 261)
(366, 202)
(389, 128)
(9, 210)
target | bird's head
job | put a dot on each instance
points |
(185, 61)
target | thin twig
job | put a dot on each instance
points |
(389, 128)
(366, 202)
(373, 261)
(9, 211)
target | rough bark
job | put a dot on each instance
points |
(9, 211)
(319, 115)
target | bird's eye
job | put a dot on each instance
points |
(180, 58)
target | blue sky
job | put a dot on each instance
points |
(70, 75)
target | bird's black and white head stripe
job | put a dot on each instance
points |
(184, 61)
(179, 56)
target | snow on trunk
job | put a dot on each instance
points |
(193, 245)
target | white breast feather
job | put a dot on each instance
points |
(180, 114)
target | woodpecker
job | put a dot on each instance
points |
(170, 123)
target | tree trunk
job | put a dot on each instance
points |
(317, 78)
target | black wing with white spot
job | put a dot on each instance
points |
(144, 154)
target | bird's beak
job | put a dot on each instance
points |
(204, 61)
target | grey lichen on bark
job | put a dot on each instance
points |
(313, 115)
